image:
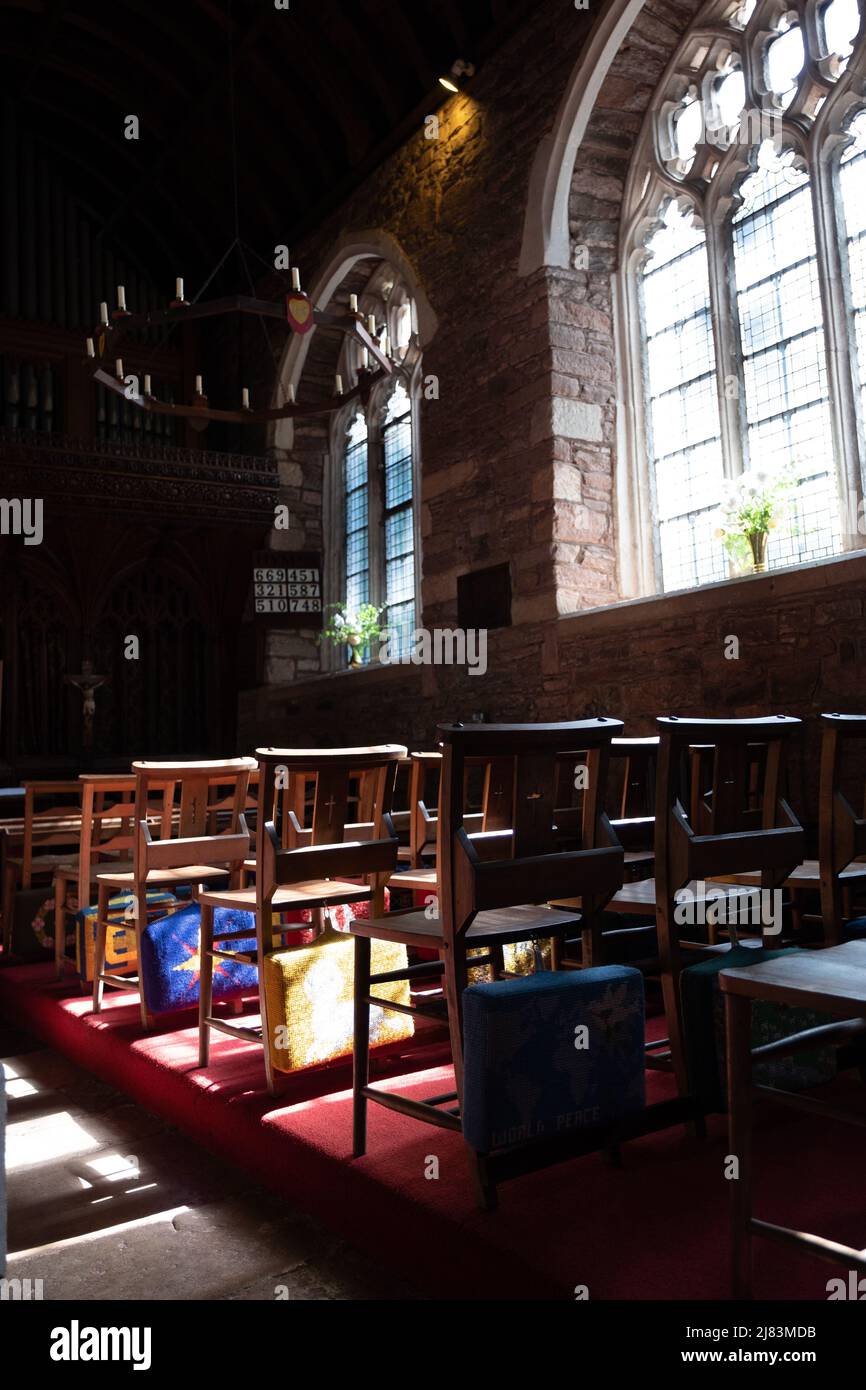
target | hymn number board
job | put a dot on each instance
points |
(287, 588)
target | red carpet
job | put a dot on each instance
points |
(655, 1228)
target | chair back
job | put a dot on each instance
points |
(184, 793)
(108, 821)
(221, 801)
(732, 844)
(746, 788)
(52, 819)
(345, 780)
(424, 788)
(841, 831)
(531, 866)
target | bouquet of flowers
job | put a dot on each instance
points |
(355, 629)
(752, 506)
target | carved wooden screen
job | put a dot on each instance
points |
(43, 658)
(159, 702)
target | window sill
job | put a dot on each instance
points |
(746, 591)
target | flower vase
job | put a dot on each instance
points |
(354, 652)
(758, 542)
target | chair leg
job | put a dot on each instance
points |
(267, 1031)
(8, 908)
(361, 1061)
(671, 969)
(673, 1014)
(481, 1179)
(60, 889)
(497, 962)
(205, 987)
(456, 978)
(99, 945)
(140, 924)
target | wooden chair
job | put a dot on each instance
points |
(841, 831)
(486, 902)
(833, 982)
(729, 842)
(108, 833)
(424, 789)
(188, 856)
(839, 871)
(48, 840)
(632, 815)
(107, 814)
(314, 871)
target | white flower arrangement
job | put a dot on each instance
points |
(752, 506)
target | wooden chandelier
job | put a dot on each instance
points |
(103, 347)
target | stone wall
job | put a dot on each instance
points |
(518, 453)
(518, 450)
(802, 645)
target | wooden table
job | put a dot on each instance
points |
(832, 981)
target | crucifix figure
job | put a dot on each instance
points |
(87, 681)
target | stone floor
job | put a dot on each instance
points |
(105, 1201)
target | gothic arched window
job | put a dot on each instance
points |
(376, 502)
(743, 283)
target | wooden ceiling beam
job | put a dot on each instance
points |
(304, 129)
(357, 56)
(197, 107)
(304, 45)
(392, 23)
(135, 54)
(117, 94)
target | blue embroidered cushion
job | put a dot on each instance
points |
(552, 1052)
(171, 966)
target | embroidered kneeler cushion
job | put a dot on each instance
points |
(704, 1032)
(33, 923)
(310, 994)
(550, 1053)
(120, 954)
(171, 963)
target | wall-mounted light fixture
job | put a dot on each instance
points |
(455, 78)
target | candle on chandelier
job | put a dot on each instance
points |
(90, 349)
(353, 304)
(296, 278)
(103, 312)
(339, 383)
(291, 393)
(365, 358)
(147, 390)
(118, 368)
(371, 325)
(245, 398)
(121, 297)
(178, 287)
(198, 388)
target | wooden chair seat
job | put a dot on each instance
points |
(641, 897)
(502, 925)
(806, 875)
(636, 858)
(317, 893)
(416, 880)
(163, 878)
(46, 863)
